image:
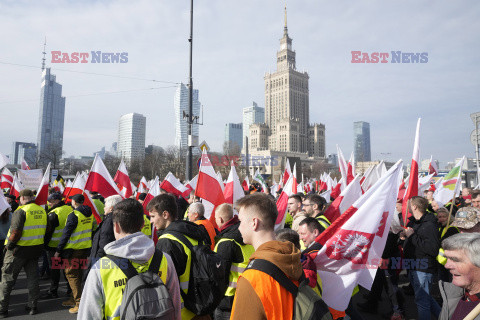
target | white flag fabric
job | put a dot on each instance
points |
(355, 241)
(3, 161)
(3, 204)
(233, 189)
(451, 184)
(342, 164)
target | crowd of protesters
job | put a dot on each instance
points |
(438, 247)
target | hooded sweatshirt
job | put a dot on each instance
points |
(248, 303)
(138, 248)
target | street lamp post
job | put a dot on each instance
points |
(188, 168)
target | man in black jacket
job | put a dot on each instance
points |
(421, 249)
(164, 214)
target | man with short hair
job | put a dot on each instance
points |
(308, 231)
(314, 206)
(104, 286)
(294, 206)
(196, 214)
(421, 249)
(258, 295)
(476, 199)
(462, 295)
(235, 253)
(163, 215)
(24, 245)
(74, 245)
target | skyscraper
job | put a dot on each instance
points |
(131, 137)
(233, 137)
(361, 141)
(181, 109)
(51, 119)
(23, 150)
(251, 115)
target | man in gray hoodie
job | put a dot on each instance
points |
(131, 244)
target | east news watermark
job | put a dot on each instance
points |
(389, 57)
(89, 57)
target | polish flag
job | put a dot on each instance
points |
(100, 180)
(3, 204)
(7, 179)
(78, 187)
(220, 180)
(342, 166)
(142, 187)
(192, 184)
(17, 186)
(3, 160)
(432, 167)
(353, 245)
(152, 193)
(345, 200)
(295, 183)
(282, 202)
(337, 190)
(246, 184)
(233, 189)
(412, 189)
(122, 180)
(351, 168)
(68, 186)
(208, 187)
(326, 195)
(42, 191)
(287, 173)
(172, 185)
(25, 165)
(371, 176)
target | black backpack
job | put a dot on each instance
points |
(145, 295)
(206, 287)
(308, 304)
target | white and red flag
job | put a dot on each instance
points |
(451, 185)
(353, 245)
(233, 189)
(351, 168)
(3, 204)
(78, 187)
(152, 193)
(342, 166)
(7, 179)
(142, 187)
(287, 173)
(68, 186)
(172, 185)
(17, 186)
(432, 167)
(25, 165)
(42, 191)
(246, 184)
(192, 184)
(282, 202)
(346, 198)
(123, 181)
(412, 189)
(99, 180)
(208, 187)
(220, 180)
(3, 160)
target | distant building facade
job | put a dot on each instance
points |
(181, 109)
(233, 136)
(251, 115)
(131, 137)
(23, 150)
(361, 141)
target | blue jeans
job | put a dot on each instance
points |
(421, 282)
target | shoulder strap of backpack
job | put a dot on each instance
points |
(156, 260)
(275, 272)
(183, 239)
(130, 271)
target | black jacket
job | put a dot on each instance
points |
(175, 249)
(230, 253)
(421, 248)
(70, 226)
(52, 223)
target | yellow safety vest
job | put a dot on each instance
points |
(114, 281)
(34, 227)
(147, 227)
(81, 238)
(323, 221)
(185, 276)
(237, 268)
(100, 207)
(441, 253)
(62, 214)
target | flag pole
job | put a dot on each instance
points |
(473, 314)
(453, 200)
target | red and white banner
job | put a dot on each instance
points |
(17, 186)
(348, 197)
(123, 181)
(78, 187)
(432, 167)
(42, 191)
(287, 173)
(7, 179)
(99, 180)
(233, 189)
(172, 185)
(351, 168)
(282, 202)
(412, 189)
(352, 246)
(152, 193)
(24, 165)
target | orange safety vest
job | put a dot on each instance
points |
(276, 300)
(210, 229)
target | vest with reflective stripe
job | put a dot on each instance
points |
(276, 300)
(441, 253)
(147, 227)
(185, 276)
(323, 221)
(34, 227)
(114, 281)
(237, 268)
(62, 214)
(210, 230)
(81, 237)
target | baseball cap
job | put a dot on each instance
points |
(78, 198)
(466, 218)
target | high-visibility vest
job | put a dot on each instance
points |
(100, 207)
(62, 214)
(210, 230)
(237, 268)
(277, 301)
(34, 227)
(147, 227)
(288, 220)
(114, 281)
(185, 276)
(324, 222)
(441, 253)
(81, 237)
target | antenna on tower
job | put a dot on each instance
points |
(285, 29)
(44, 53)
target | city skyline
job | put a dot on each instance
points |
(230, 60)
